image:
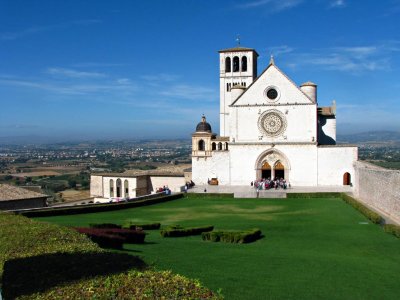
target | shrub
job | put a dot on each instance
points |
(130, 285)
(60, 211)
(370, 214)
(231, 236)
(105, 225)
(392, 229)
(313, 195)
(102, 238)
(131, 236)
(179, 231)
(147, 226)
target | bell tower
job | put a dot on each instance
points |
(237, 66)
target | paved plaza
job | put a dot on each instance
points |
(244, 191)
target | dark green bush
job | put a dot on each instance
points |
(47, 261)
(231, 236)
(313, 195)
(102, 238)
(130, 285)
(147, 226)
(179, 231)
(370, 214)
(392, 229)
(105, 225)
(60, 211)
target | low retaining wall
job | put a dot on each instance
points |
(379, 188)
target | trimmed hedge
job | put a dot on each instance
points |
(130, 285)
(84, 209)
(231, 236)
(314, 195)
(179, 231)
(213, 195)
(392, 229)
(147, 226)
(105, 225)
(102, 238)
(47, 261)
(370, 214)
(113, 237)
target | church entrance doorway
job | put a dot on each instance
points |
(266, 171)
(346, 179)
(279, 170)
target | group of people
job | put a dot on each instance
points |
(266, 184)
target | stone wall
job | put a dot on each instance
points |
(96, 186)
(23, 203)
(378, 188)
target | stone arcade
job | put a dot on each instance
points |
(269, 127)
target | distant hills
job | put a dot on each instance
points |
(370, 136)
(363, 137)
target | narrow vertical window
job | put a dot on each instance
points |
(201, 145)
(227, 64)
(244, 64)
(236, 64)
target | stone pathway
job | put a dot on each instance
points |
(243, 191)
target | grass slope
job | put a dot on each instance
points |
(313, 248)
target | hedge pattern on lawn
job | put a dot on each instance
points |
(130, 236)
(45, 261)
(231, 236)
(147, 226)
(392, 229)
(105, 225)
(131, 285)
(84, 209)
(370, 214)
(314, 195)
(179, 231)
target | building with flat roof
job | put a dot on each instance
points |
(13, 197)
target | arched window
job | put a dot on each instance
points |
(226, 146)
(111, 188)
(228, 64)
(213, 146)
(236, 64)
(202, 145)
(219, 146)
(126, 188)
(244, 64)
(119, 187)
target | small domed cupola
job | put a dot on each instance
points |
(203, 126)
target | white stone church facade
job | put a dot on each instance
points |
(269, 127)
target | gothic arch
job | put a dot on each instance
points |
(274, 158)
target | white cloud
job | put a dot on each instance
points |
(74, 73)
(190, 92)
(38, 29)
(278, 50)
(162, 77)
(355, 59)
(337, 4)
(273, 5)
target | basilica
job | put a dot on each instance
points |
(269, 128)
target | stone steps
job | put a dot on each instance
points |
(262, 194)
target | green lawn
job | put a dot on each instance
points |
(313, 248)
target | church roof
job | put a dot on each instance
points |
(310, 83)
(238, 49)
(10, 192)
(203, 126)
(271, 63)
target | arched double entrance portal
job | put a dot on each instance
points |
(272, 163)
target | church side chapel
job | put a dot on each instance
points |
(269, 128)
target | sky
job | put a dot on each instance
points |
(98, 69)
